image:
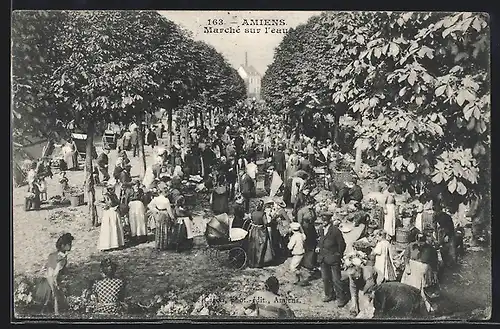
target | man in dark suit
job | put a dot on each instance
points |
(331, 250)
(134, 142)
(279, 162)
(238, 143)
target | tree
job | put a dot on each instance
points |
(106, 66)
(305, 65)
(424, 98)
(418, 84)
(35, 57)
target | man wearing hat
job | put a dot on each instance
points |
(331, 249)
(279, 161)
(134, 141)
(238, 143)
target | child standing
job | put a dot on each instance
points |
(42, 186)
(386, 271)
(63, 183)
(296, 246)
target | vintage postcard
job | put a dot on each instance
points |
(251, 165)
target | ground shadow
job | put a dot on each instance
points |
(147, 273)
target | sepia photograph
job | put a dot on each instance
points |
(250, 165)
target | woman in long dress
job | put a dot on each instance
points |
(220, 197)
(279, 223)
(48, 292)
(68, 155)
(137, 213)
(163, 213)
(260, 251)
(111, 236)
(386, 271)
(183, 232)
(390, 214)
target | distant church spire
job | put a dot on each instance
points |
(246, 58)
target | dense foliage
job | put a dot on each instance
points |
(81, 69)
(417, 82)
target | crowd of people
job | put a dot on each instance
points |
(229, 164)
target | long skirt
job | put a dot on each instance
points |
(69, 159)
(111, 235)
(182, 234)
(390, 220)
(220, 203)
(137, 218)
(449, 253)
(260, 251)
(45, 296)
(278, 243)
(164, 232)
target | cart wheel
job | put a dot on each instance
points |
(237, 258)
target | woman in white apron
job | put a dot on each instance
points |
(111, 235)
(390, 214)
(137, 213)
(68, 152)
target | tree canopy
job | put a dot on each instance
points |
(417, 82)
(110, 66)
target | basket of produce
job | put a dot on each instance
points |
(75, 196)
(58, 200)
(365, 245)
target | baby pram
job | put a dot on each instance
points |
(222, 240)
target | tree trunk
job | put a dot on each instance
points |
(195, 119)
(336, 129)
(210, 117)
(89, 181)
(202, 124)
(142, 156)
(359, 158)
